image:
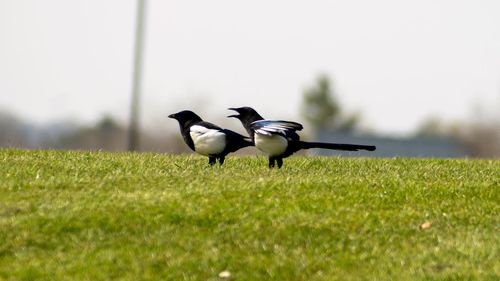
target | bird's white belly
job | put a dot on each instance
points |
(273, 145)
(209, 142)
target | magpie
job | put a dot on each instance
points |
(208, 139)
(279, 139)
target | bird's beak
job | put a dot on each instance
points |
(171, 116)
(234, 115)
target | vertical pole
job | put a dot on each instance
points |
(133, 132)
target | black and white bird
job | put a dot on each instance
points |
(208, 139)
(279, 139)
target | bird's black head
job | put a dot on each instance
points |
(245, 114)
(185, 117)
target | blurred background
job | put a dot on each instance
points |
(415, 78)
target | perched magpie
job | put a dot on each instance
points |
(208, 139)
(278, 139)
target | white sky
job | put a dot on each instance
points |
(395, 61)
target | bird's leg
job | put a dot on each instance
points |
(221, 160)
(280, 162)
(211, 160)
(271, 162)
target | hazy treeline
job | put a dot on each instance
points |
(480, 139)
(321, 108)
(107, 134)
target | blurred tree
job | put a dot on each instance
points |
(12, 133)
(319, 108)
(322, 110)
(481, 137)
(107, 134)
(432, 126)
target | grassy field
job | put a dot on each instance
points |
(129, 216)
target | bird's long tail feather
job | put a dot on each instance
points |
(336, 146)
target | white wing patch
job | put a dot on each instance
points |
(270, 127)
(207, 141)
(269, 130)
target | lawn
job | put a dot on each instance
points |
(130, 216)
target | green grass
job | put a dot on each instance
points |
(129, 216)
